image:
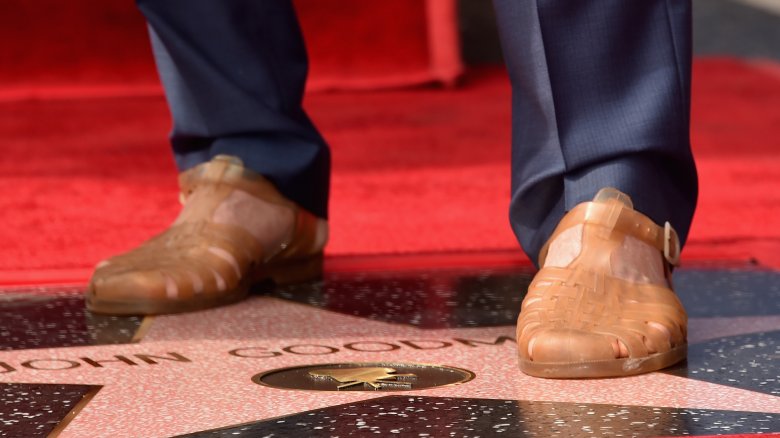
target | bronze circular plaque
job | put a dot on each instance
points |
(369, 376)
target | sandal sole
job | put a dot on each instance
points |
(297, 271)
(604, 368)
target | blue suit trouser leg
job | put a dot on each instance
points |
(234, 73)
(601, 98)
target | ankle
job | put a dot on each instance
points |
(638, 262)
(270, 224)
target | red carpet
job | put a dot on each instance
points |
(55, 44)
(416, 170)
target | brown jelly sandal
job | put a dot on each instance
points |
(198, 263)
(572, 315)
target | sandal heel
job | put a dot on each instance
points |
(292, 271)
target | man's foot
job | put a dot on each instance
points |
(234, 229)
(602, 304)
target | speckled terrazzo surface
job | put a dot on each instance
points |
(745, 361)
(193, 373)
(40, 317)
(434, 299)
(709, 293)
(35, 410)
(464, 417)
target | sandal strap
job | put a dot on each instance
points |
(618, 218)
(228, 170)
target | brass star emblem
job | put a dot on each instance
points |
(375, 377)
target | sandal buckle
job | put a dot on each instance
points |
(671, 245)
